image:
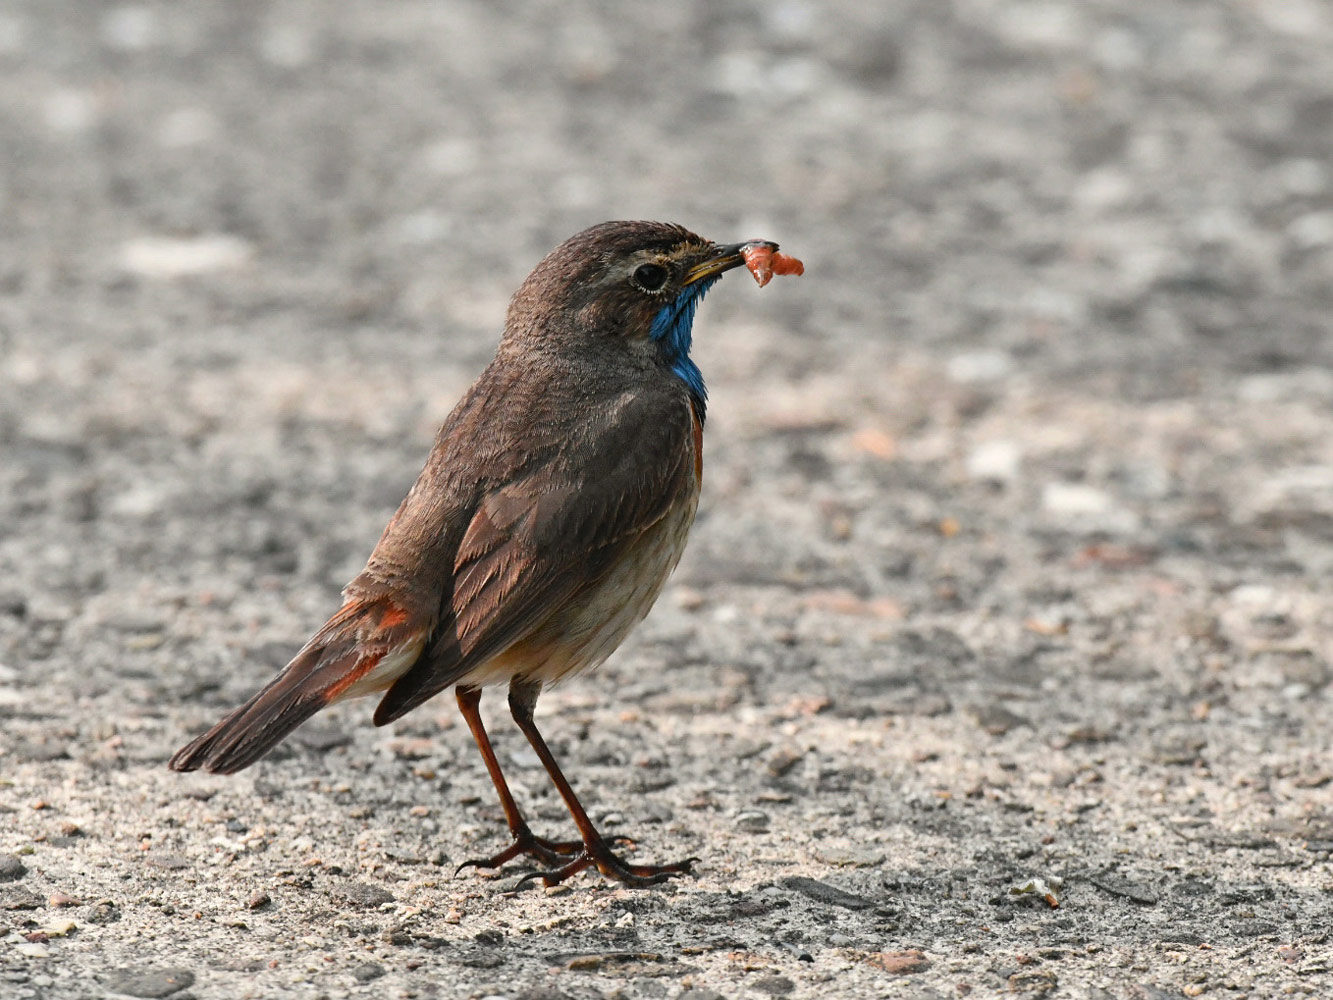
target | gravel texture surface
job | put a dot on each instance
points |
(1012, 574)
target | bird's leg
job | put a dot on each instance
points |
(596, 851)
(548, 852)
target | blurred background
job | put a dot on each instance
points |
(1036, 455)
(261, 242)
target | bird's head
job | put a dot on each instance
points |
(634, 284)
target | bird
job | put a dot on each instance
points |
(552, 508)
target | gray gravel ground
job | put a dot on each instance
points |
(1015, 546)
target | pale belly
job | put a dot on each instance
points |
(583, 633)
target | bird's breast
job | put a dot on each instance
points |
(582, 633)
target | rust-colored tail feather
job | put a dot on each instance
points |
(340, 661)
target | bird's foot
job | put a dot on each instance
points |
(599, 855)
(553, 853)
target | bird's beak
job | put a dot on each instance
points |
(723, 258)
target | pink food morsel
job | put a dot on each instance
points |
(764, 262)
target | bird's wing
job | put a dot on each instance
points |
(536, 542)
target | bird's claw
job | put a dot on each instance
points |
(553, 853)
(547, 852)
(601, 857)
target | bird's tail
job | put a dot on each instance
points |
(364, 648)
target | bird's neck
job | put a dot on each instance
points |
(673, 329)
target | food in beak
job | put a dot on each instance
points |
(764, 262)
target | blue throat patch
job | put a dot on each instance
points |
(673, 328)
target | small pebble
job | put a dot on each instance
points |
(775, 986)
(689, 599)
(901, 962)
(363, 894)
(11, 868)
(822, 892)
(104, 911)
(997, 720)
(752, 821)
(979, 366)
(367, 972)
(783, 760)
(150, 983)
(1075, 499)
(851, 857)
(167, 257)
(995, 461)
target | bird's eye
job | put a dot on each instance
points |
(650, 277)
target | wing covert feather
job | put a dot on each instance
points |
(535, 543)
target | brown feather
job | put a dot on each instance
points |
(345, 653)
